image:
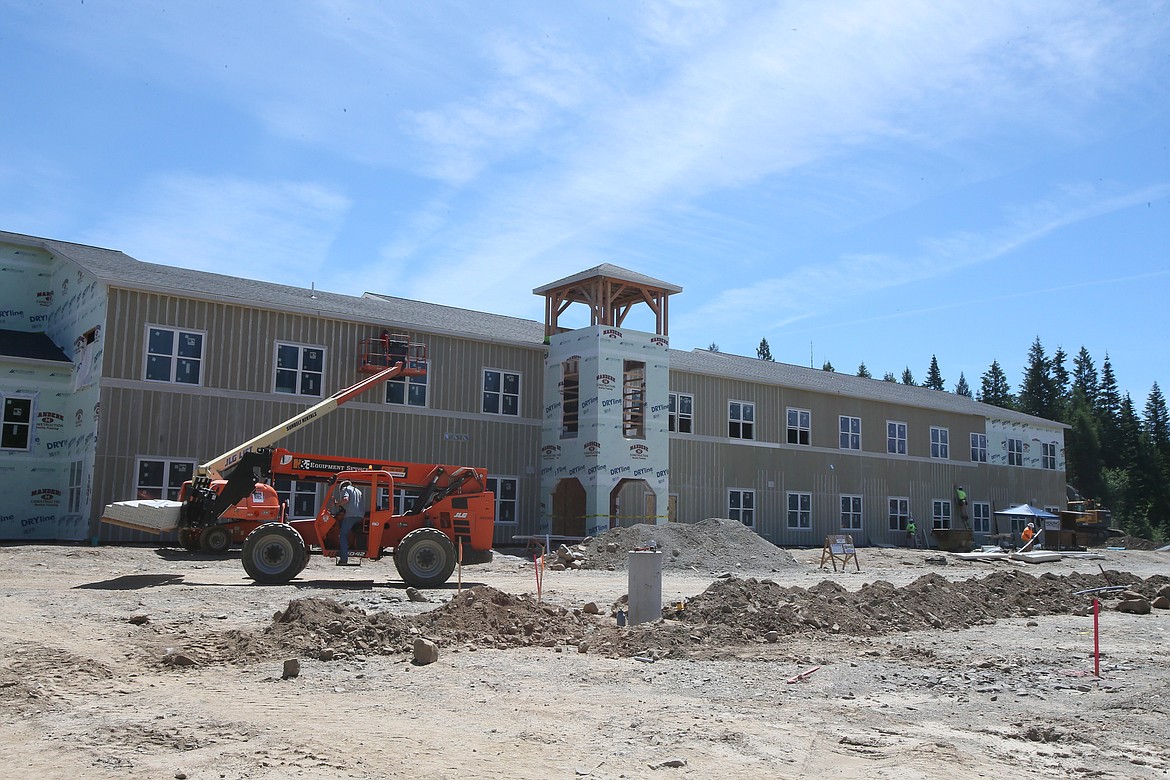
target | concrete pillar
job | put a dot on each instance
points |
(645, 587)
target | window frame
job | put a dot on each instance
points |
(166, 488)
(173, 357)
(744, 514)
(16, 426)
(633, 399)
(941, 513)
(940, 442)
(802, 512)
(501, 394)
(493, 485)
(76, 487)
(897, 519)
(409, 384)
(892, 441)
(978, 447)
(981, 517)
(800, 432)
(570, 398)
(1015, 454)
(846, 438)
(851, 516)
(748, 426)
(675, 416)
(300, 371)
(1048, 456)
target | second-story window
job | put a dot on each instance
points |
(682, 413)
(570, 397)
(940, 443)
(501, 392)
(634, 399)
(895, 437)
(979, 448)
(799, 426)
(850, 433)
(1049, 455)
(1015, 452)
(174, 355)
(407, 390)
(300, 369)
(741, 420)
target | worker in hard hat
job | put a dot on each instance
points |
(1028, 532)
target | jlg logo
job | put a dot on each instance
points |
(459, 515)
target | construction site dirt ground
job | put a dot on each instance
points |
(120, 662)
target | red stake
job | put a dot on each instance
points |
(1097, 638)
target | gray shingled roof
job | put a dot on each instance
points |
(702, 361)
(612, 272)
(30, 346)
(121, 270)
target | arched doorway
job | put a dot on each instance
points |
(568, 508)
(632, 501)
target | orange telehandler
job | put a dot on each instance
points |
(231, 498)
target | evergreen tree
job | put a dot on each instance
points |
(994, 388)
(1157, 422)
(713, 348)
(1082, 447)
(907, 376)
(764, 352)
(1132, 462)
(961, 387)
(827, 366)
(1060, 384)
(1038, 390)
(1084, 377)
(863, 372)
(1108, 411)
(934, 378)
(1156, 457)
(889, 377)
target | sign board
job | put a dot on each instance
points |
(839, 547)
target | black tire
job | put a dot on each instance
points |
(425, 558)
(189, 539)
(274, 553)
(215, 540)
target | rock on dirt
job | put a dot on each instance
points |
(425, 651)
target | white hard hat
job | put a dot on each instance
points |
(1031, 525)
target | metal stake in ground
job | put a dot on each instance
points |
(1097, 621)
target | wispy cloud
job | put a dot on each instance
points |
(766, 98)
(278, 231)
(834, 288)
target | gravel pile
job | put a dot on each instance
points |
(709, 546)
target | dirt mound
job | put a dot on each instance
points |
(730, 613)
(1131, 543)
(751, 608)
(711, 545)
(479, 617)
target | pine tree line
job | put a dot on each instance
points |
(1114, 454)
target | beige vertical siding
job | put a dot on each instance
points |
(705, 464)
(235, 401)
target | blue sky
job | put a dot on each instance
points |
(854, 181)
